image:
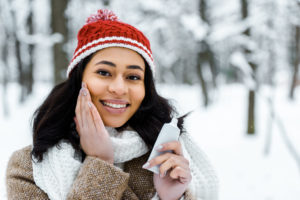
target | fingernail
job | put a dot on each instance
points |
(159, 147)
(89, 104)
(146, 165)
(83, 84)
(84, 92)
(161, 175)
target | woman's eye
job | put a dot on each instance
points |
(134, 77)
(103, 73)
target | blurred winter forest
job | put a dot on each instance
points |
(205, 42)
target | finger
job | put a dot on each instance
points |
(83, 111)
(97, 118)
(171, 163)
(158, 160)
(183, 175)
(86, 92)
(78, 108)
(76, 125)
(91, 114)
(84, 107)
(90, 124)
(99, 125)
(171, 146)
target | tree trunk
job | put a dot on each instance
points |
(205, 56)
(251, 93)
(105, 2)
(17, 49)
(29, 79)
(59, 25)
(5, 67)
(202, 81)
(203, 9)
(271, 48)
(20, 66)
(209, 54)
(251, 118)
(295, 61)
(28, 69)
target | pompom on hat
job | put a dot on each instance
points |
(104, 30)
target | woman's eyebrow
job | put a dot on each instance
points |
(135, 67)
(105, 62)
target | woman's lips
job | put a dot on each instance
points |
(115, 106)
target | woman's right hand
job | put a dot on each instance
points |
(94, 138)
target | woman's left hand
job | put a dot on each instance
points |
(175, 174)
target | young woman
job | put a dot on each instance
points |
(94, 132)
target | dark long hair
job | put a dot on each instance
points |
(53, 120)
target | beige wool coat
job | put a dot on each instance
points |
(96, 180)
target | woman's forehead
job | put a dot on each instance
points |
(118, 55)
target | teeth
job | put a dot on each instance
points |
(114, 105)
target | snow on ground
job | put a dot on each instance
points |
(244, 170)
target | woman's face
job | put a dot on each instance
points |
(115, 79)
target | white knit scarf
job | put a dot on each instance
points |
(59, 168)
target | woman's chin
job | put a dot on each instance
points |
(114, 124)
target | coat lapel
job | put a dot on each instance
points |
(140, 180)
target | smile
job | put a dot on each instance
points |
(112, 105)
(115, 106)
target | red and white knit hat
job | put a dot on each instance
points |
(104, 30)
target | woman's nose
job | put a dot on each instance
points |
(118, 86)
